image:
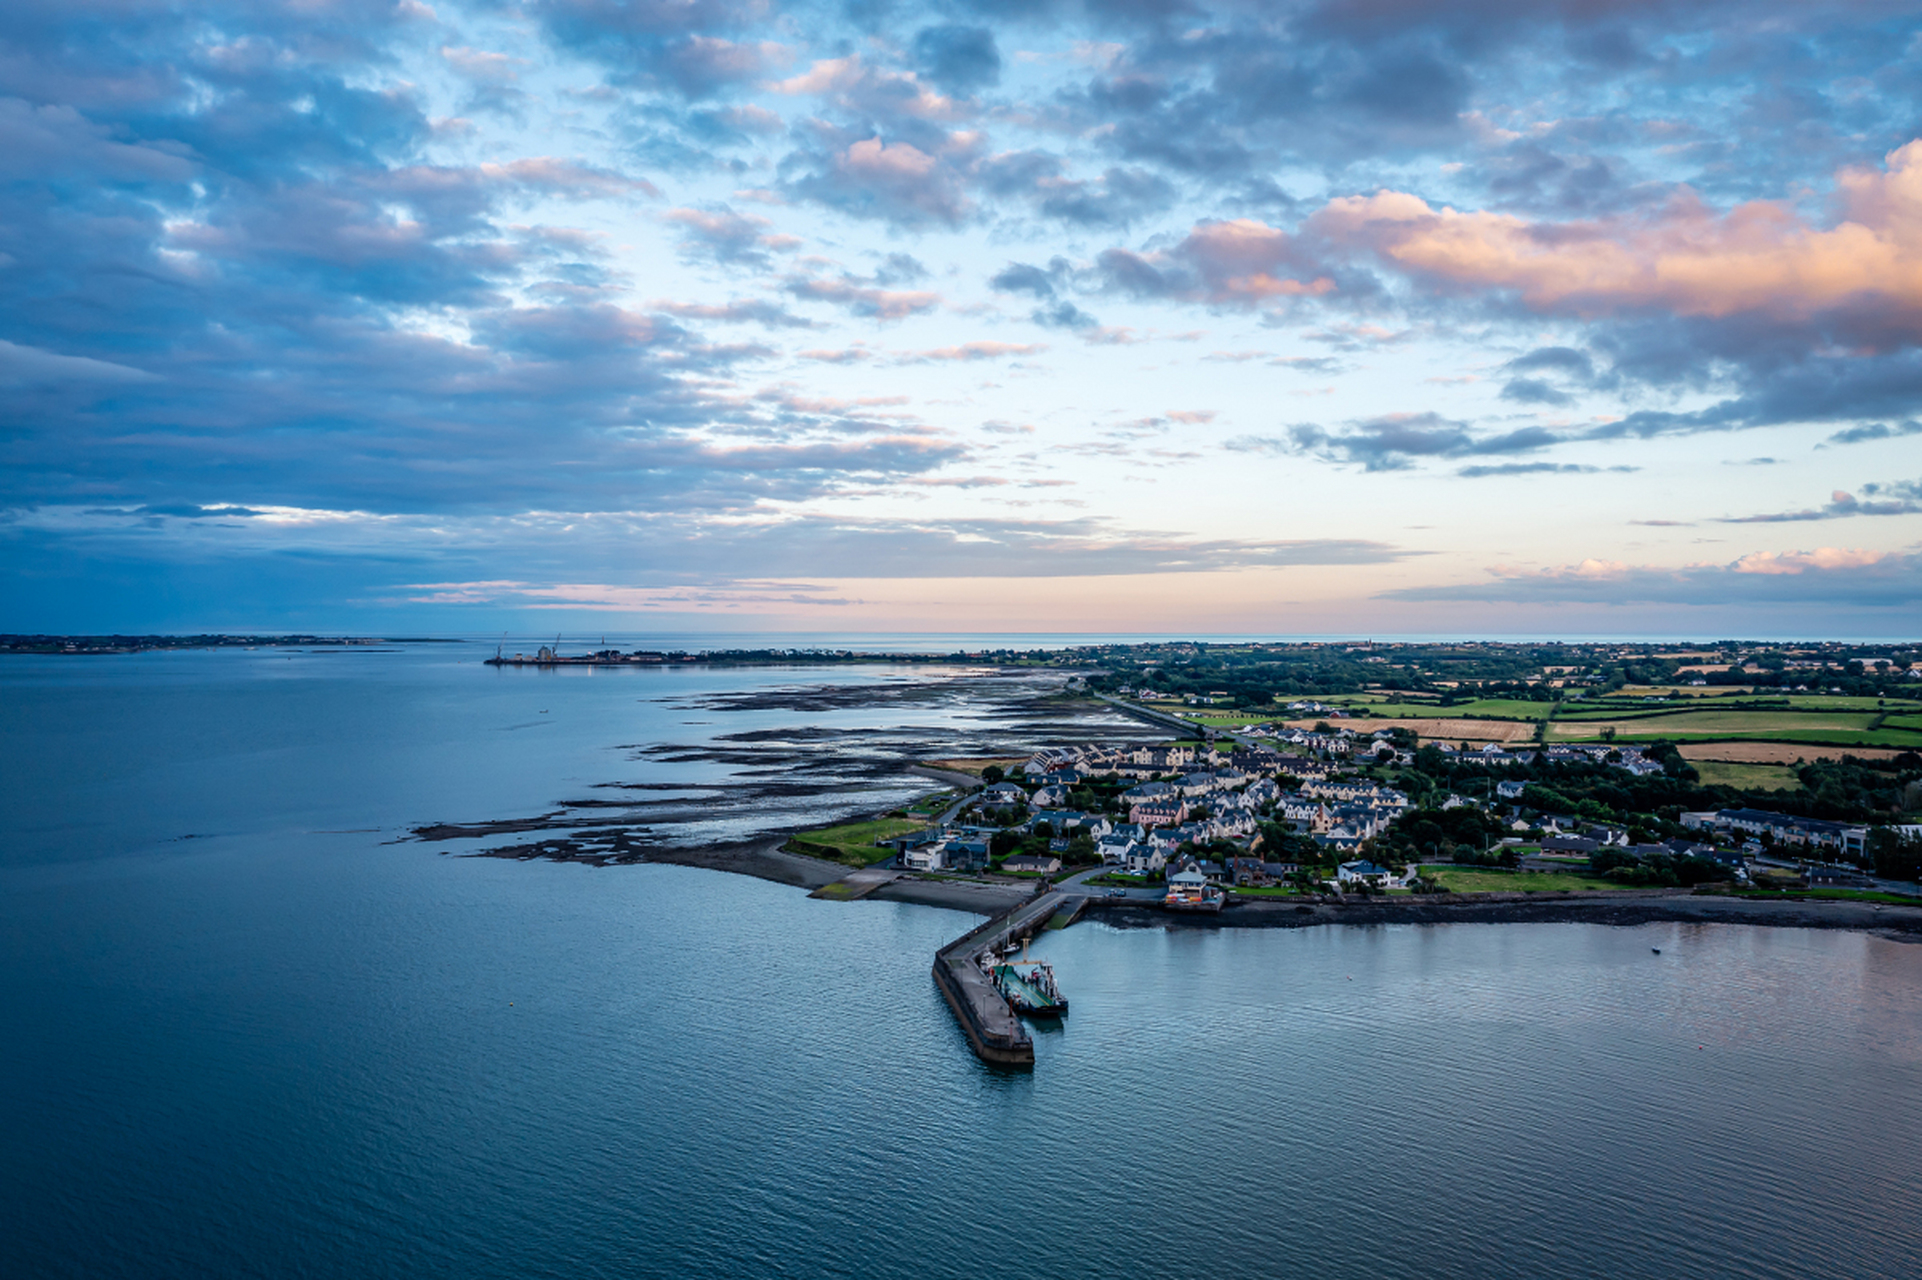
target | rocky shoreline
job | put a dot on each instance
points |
(1625, 908)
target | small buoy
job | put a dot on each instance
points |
(1656, 950)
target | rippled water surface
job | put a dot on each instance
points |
(290, 1047)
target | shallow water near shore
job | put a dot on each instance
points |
(287, 1046)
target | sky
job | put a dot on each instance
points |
(1553, 317)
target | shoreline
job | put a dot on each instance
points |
(766, 858)
(1898, 923)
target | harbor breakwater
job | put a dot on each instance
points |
(993, 1028)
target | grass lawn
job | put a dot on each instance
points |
(854, 842)
(1749, 777)
(1121, 880)
(1274, 891)
(1497, 880)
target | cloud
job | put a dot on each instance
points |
(1537, 469)
(892, 180)
(959, 59)
(1874, 431)
(1826, 576)
(1120, 196)
(1902, 498)
(682, 48)
(1394, 441)
(842, 355)
(740, 311)
(724, 236)
(1686, 258)
(972, 351)
(1239, 263)
(863, 300)
(32, 366)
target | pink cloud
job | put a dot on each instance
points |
(1777, 563)
(1759, 257)
(884, 304)
(976, 351)
(1241, 262)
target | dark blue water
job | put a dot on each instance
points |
(288, 1047)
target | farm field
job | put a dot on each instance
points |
(1451, 730)
(1808, 726)
(1759, 701)
(1775, 752)
(1748, 777)
(1478, 709)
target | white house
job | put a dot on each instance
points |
(926, 857)
(1351, 872)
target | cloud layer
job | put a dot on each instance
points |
(483, 294)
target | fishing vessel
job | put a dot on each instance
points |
(1029, 987)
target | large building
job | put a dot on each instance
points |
(1784, 828)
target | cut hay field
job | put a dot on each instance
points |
(1776, 752)
(1451, 730)
(1478, 709)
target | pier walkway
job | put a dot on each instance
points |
(993, 1029)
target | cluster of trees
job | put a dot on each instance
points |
(1254, 675)
(1005, 844)
(1895, 855)
(1658, 869)
(1464, 834)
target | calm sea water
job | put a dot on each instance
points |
(287, 1046)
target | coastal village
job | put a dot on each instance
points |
(1309, 814)
(1350, 770)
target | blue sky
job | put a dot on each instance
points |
(1581, 317)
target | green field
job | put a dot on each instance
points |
(1834, 728)
(853, 843)
(1496, 880)
(1748, 777)
(1603, 708)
